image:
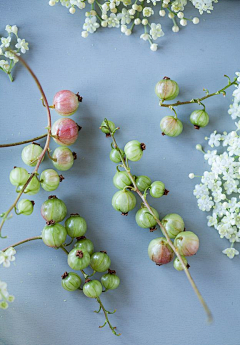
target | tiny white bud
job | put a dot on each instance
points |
(72, 10)
(175, 28)
(183, 22)
(84, 34)
(139, 8)
(91, 1)
(164, 5)
(104, 17)
(162, 13)
(123, 28)
(191, 176)
(128, 32)
(104, 23)
(135, 7)
(132, 12)
(195, 20)
(153, 47)
(52, 3)
(137, 21)
(171, 15)
(114, 10)
(180, 15)
(144, 21)
(93, 13)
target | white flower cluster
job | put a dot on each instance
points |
(5, 258)
(125, 15)
(219, 189)
(7, 45)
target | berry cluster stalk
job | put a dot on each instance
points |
(199, 100)
(46, 147)
(135, 189)
(23, 142)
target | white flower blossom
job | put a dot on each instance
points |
(204, 5)
(113, 21)
(7, 256)
(230, 252)
(156, 31)
(4, 296)
(91, 24)
(148, 12)
(5, 42)
(22, 45)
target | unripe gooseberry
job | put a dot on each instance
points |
(84, 244)
(18, 176)
(178, 265)
(66, 102)
(157, 189)
(115, 155)
(25, 207)
(92, 288)
(100, 261)
(173, 224)
(65, 131)
(144, 218)
(199, 118)
(171, 126)
(159, 251)
(71, 281)
(53, 209)
(104, 127)
(167, 89)
(50, 180)
(75, 225)
(64, 158)
(187, 243)
(134, 150)
(110, 280)
(54, 235)
(78, 260)
(143, 182)
(33, 186)
(31, 153)
(124, 201)
(121, 179)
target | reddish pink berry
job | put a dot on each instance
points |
(66, 102)
(65, 131)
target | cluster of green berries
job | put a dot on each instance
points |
(65, 133)
(82, 255)
(166, 90)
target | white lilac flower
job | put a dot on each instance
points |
(178, 5)
(156, 31)
(7, 256)
(4, 296)
(113, 21)
(230, 252)
(11, 56)
(5, 42)
(4, 64)
(204, 5)
(22, 45)
(124, 17)
(91, 24)
(145, 36)
(148, 12)
(214, 139)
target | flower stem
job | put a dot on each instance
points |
(106, 317)
(44, 149)
(145, 202)
(199, 100)
(23, 241)
(24, 142)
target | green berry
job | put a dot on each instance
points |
(71, 281)
(124, 201)
(105, 129)
(54, 235)
(100, 262)
(167, 89)
(110, 280)
(53, 209)
(75, 225)
(143, 182)
(49, 180)
(199, 118)
(78, 260)
(178, 265)
(121, 179)
(84, 244)
(173, 224)
(134, 150)
(31, 153)
(171, 126)
(157, 189)
(18, 176)
(92, 288)
(25, 207)
(144, 218)
(115, 155)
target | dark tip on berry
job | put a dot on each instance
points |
(65, 274)
(50, 222)
(111, 271)
(79, 254)
(74, 214)
(74, 155)
(79, 97)
(81, 238)
(87, 280)
(188, 266)
(124, 214)
(79, 128)
(33, 202)
(163, 133)
(184, 229)
(14, 167)
(61, 178)
(52, 197)
(166, 78)
(108, 135)
(143, 146)
(153, 229)
(196, 127)
(159, 264)
(166, 192)
(103, 251)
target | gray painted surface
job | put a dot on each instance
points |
(116, 76)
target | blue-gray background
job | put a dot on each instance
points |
(116, 77)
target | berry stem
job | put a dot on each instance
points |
(106, 317)
(199, 100)
(49, 125)
(23, 241)
(189, 277)
(24, 142)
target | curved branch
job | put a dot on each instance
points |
(24, 142)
